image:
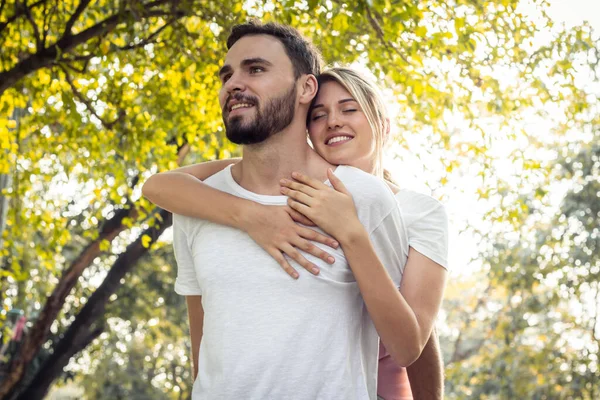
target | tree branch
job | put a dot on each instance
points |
(88, 104)
(38, 333)
(19, 12)
(92, 311)
(36, 31)
(388, 45)
(95, 306)
(150, 37)
(50, 54)
(40, 385)
(80, 8)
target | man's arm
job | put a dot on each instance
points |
(196, 318)
(426, 375)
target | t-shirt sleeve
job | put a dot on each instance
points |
(391, 245)
(427, 226)
(186, 283)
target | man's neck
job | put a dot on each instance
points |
(264, 164)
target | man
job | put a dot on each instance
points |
(259, 334)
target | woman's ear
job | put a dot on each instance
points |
(309, 89)
(386, 131)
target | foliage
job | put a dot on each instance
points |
(96, 96)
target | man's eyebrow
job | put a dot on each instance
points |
(256, 60)
(339, 102)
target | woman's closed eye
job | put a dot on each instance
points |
(317, 116)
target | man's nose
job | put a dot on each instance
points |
(234, 84)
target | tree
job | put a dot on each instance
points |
(96, 96)
(530, 325)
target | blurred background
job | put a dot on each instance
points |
(496, 114)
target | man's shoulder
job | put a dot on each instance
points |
(219, 179)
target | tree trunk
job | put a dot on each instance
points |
(83, 329)
(37, 335)
(4, 183)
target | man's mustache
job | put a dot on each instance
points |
(240, 98)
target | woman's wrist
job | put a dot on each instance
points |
(244, 215)
(352, 234)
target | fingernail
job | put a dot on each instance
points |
(283, 181)
(331, 260)
(295, 275)
(295, 174)
(315, 270)
(335, 244)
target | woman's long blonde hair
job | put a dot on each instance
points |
(368, 96)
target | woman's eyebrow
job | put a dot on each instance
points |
(339, 102)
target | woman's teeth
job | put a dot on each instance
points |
(337, 139)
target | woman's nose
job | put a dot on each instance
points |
(333, 121)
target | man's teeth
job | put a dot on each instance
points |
(240, 105)
(338, 139)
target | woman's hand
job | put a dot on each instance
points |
(331, 209)
(273, 228)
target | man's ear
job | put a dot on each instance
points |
(308, 89)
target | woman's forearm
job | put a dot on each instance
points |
(394, 319)
(182, 193)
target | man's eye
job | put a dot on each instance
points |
(254, 70)
(225, 78)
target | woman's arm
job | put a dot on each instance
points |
(404, 319)
(186, 183)
(182, 191)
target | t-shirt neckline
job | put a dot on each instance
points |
(263, 198)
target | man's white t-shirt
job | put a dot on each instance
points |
(267, 336)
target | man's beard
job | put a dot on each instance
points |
(276, 116)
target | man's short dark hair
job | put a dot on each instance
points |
(305, 57)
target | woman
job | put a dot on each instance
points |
(347, 125)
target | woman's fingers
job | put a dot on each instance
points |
(307, 180)
(279, 257)
(296, 216)
(295, 255)
(298, 196)
(310, 248)
(300, 187)
(315, 236)
(301, 208)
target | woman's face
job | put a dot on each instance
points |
(339, 129)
